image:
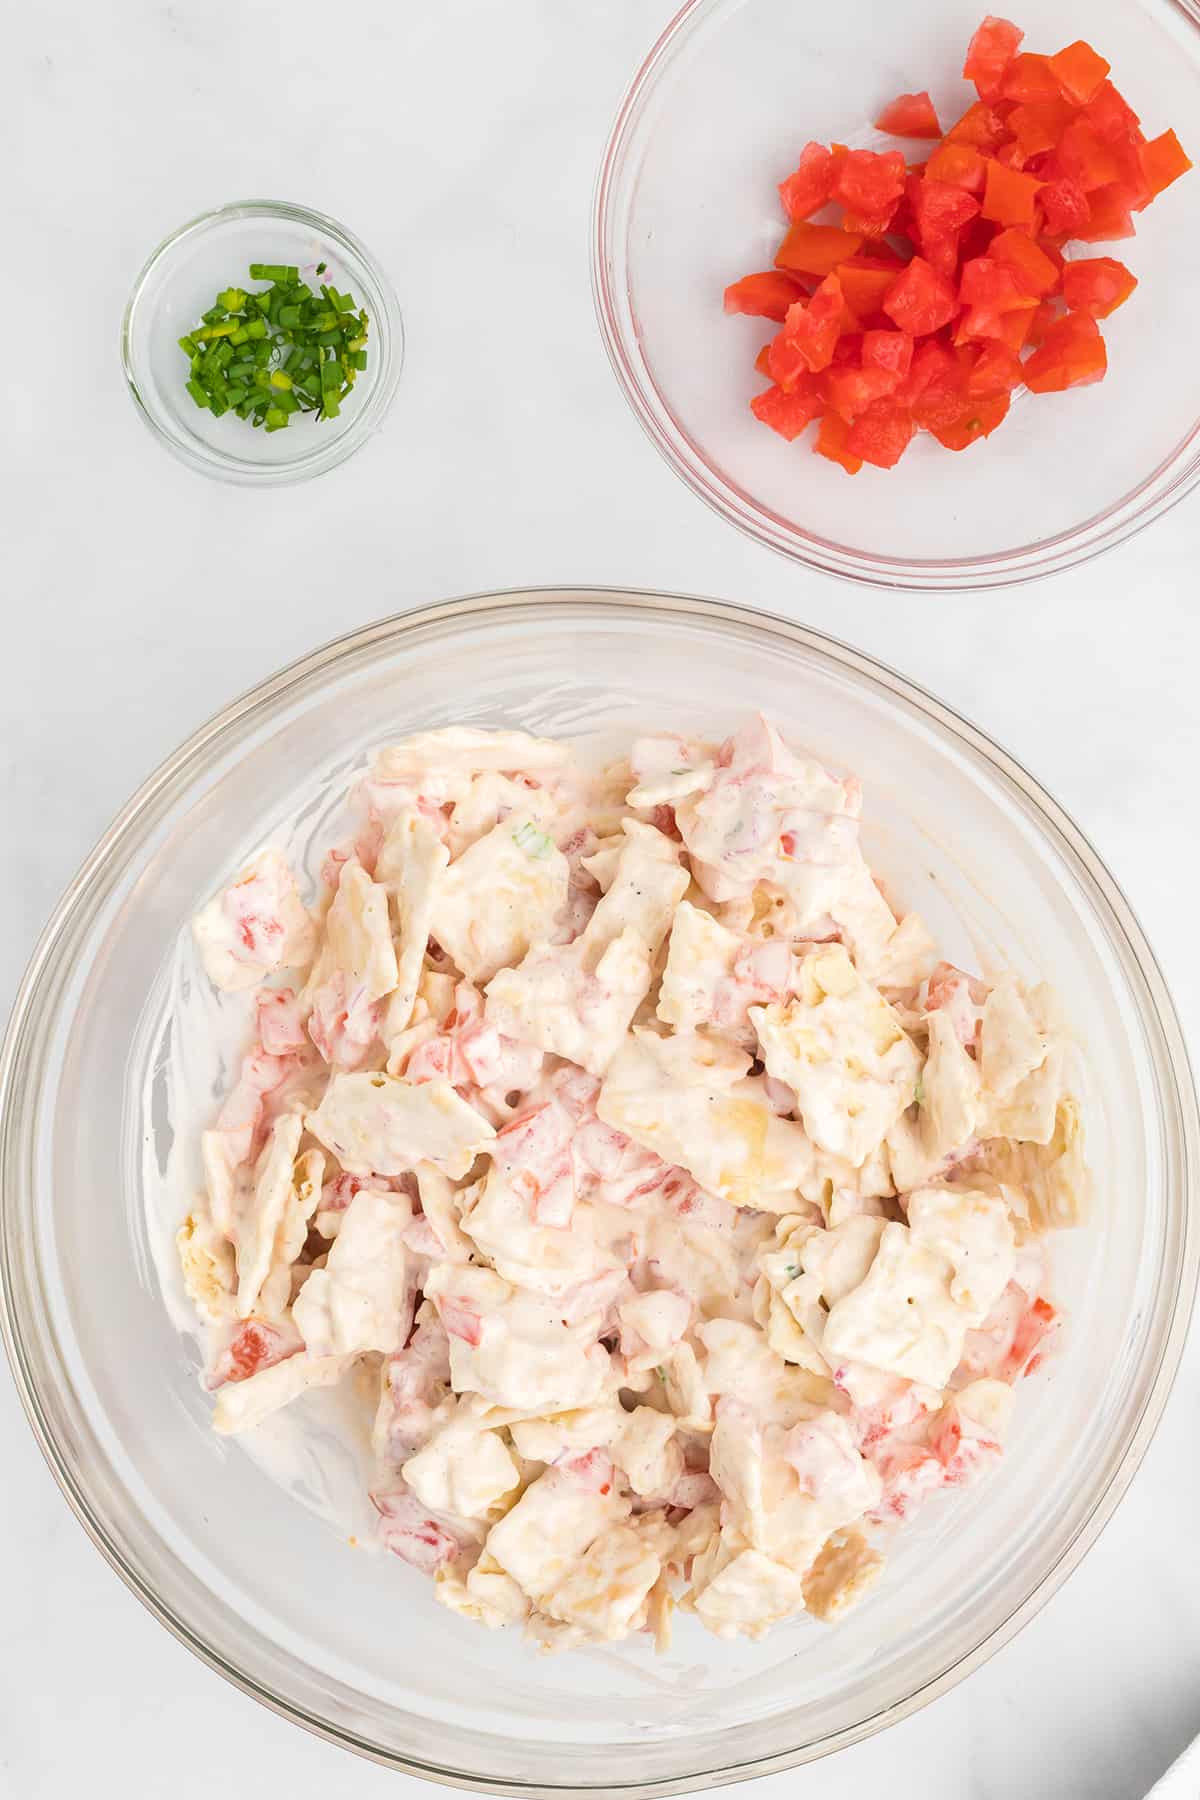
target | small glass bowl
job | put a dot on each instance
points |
(686, 203)
(178, 284)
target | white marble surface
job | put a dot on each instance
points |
(461, 139)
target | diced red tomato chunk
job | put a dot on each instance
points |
(816, 249)
(975, 421)
(1109, 216)
(1038, 125)
(981, 126)
(812, 328)
(920, 300)
(962, 165)
(1072, 354)
(1097, 285)
(1163, 161)
(989, 54)
(911, 116)
(766, 295)
(1029, 77)
(869, 183)
(1079, 71)
(882, 434)
(788, 413)
(888, 350)
(850, 390)
(1009, 195)
(808, 189)
(1086, 158)
(1065, 206)
(831, 443)
(997, 370)
(1035, 272)
(864, 284)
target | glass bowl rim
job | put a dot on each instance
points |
(222, 465)
(1167, 484)
(36, 1008)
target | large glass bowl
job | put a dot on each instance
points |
(686, 203)
(354, 1646)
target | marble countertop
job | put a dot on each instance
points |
(461, 140)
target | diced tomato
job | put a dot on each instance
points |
(960, 164)
(864, 284)
(812, 328)
(766, 295)
(1066, 207)
(1079, 71)
(1112, 115)
(1072, 355)
(1035, 272)
(1097, 285)
(981, 126)
(1029, 78)
(982, 324)
(808, 189)
(1085, 158)
(1109, 216)
(1038, 1323)
(989, 53)
(461, 1318)
(882, 434)
(986, 281)
(869, 183)
(789, 413)
(975, 422)
(1163, 161)
(996, 371)
(762, 361)
(849, 390)
(871, 226)
(888, 350)
(848, 351)
(920, 300)
(936, 387)
(787, 365)
(1008, 195)
(816, 249)
(910, 116)
(940, 211)
(1040, 323)
(1039, 124)
(831, 443)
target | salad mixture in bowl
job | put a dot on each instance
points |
(684, 1213)
(707, 1148)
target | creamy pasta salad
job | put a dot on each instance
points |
(679, 1215)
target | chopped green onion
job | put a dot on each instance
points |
(284, 350)
(535, 843)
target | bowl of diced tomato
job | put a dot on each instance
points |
(906, 292)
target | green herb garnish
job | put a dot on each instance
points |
(285, 350)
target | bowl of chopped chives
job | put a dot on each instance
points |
(262, 343)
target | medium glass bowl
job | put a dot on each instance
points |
(686, 203)
(179, 283)
(354, 1646)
